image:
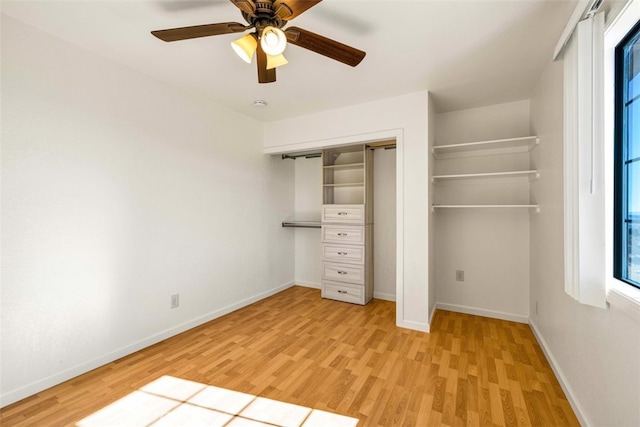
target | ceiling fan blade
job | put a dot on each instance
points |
(247, 6)
(183, 33)
(289, 9)
(264, 75)
(324, 46)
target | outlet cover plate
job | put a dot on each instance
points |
(175, 300)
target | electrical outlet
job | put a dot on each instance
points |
(175, 300)
(460, 275)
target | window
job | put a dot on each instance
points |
(627, 159)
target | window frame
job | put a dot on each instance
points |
(620, 241)
(620, 295)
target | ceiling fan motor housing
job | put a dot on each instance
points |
(263, 16)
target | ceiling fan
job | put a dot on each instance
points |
(268, 41)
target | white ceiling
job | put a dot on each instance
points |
(467, 53)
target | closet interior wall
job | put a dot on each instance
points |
(384, 227)
(307, 205)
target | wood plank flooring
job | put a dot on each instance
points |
(352, 360)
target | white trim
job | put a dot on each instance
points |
(624, 17)
(12, 396)
(416, 326)
(306, 284)
(625, 298)
(400, 229)
(568, 391)
(512, 317)
(433, 314)
(620, 295)
(383, 135)
(384, 296)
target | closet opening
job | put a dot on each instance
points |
(351, 186)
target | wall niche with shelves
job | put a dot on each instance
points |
(482, 168)
(484, 174)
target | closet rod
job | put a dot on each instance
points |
(302, 224)
(306, 156)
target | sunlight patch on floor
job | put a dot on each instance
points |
(170, 401)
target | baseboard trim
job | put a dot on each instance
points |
(60, 377)
(484, 313)
(307, 284)
(568, 391)
(416, 326)
(384, 296)
(433, 314)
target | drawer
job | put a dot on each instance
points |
(338, 253)
(346, 214)
(353, 235)
(351, 273)
(343, 292)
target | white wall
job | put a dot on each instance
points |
(404, 118)
(118, 191)
(308, 205)
(594, 351)
(491, 246)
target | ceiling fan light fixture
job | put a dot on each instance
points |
(273, 41)
(245, 47)
(274, 61)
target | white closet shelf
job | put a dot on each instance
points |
(508, 145)
(531, 174)
(434, 207)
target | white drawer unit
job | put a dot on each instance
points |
(351, 273)
(343, 292)
(343, 214)
(351, 235)
(347, 224)
(343, 253)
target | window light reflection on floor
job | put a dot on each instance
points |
(170, 401)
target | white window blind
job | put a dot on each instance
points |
(583, 161)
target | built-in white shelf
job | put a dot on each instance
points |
(531, 174)
(508, 145)
(434, 207)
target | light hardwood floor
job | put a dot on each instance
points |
(352, 360)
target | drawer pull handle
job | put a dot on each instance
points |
(343, 213)
(342, 272)
(342, 253)
(342, 234)
(341, 291)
